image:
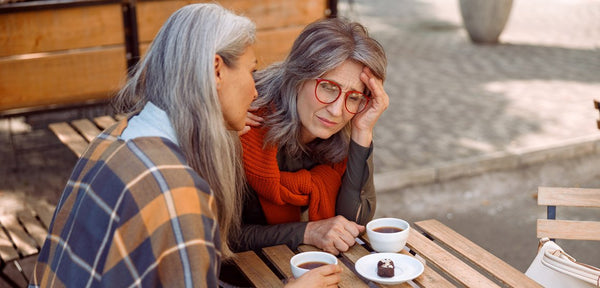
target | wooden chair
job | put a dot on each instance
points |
(568, 229)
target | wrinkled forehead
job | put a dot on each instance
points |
(347, 75)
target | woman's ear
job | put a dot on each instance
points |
(219, 70)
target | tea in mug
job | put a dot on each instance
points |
(386, 229)
(311, 265)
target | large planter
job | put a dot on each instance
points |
(485, 19)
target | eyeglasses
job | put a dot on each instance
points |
(327, 92)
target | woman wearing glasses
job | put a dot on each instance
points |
(308, 160)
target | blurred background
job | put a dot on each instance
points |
(471, 131)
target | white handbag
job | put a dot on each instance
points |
(552, 267)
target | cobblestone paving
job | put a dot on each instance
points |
(451, 99)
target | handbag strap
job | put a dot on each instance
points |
(558, 253)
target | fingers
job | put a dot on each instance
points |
(341, 244)
(253, 119)
(328, 269)
(333, 235)
(352, 228)
(244, 131)
(332, 276)
(347, 237)
(364, 77)
(324, 276)
(375, 85)
(372, 81)
(378, 92)
(344, 234)
(361, 228)
(331, 249)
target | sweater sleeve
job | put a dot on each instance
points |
(254, 237)
(255, 232)
(356, 200)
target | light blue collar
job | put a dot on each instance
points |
(150, 122)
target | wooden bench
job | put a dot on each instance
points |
(78, 134)
(78, 52)
(60, 53)
(22, 234)
(278, 24)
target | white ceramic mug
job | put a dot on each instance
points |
(307, 257)
(388, 242)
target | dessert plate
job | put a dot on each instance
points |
(405, 267)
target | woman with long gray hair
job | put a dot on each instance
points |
(150, 201)
(308, 162)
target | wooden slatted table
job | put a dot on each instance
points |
(456, 261)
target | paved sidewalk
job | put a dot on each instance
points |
(461, 108)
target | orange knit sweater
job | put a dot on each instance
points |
(281, 194)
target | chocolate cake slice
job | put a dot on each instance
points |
(385, 268)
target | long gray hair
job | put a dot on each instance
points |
(177, 74)
(321, 47)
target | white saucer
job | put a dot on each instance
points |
(405, 267)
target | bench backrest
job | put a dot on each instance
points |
(568, 229)
(72, 53)
(63, 55)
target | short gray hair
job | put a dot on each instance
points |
(321, 47)
(177, 74)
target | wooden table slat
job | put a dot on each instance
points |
(477, 255)
(256, 270)
(69, 137)
(280, 256)
(44, 211)
(349, 279)
(25, 244)
(446, 262)
(355, 252)
(104, 121)
(430, 278)
(7, 250)
(86, 128)
(33, 226)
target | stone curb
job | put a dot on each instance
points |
(504, 160)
